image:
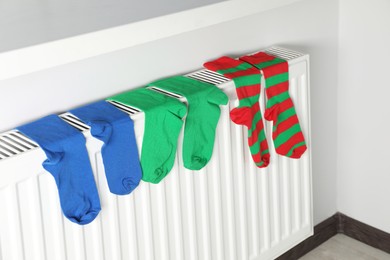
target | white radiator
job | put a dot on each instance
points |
(228, 210)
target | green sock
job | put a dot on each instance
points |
(202, 118)
(163, 121)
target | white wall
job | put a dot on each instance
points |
(25, 23)
(364, 112)
(309, 26)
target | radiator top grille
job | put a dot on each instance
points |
(14, 143)
(74, 121)
(208, 76)
(165, 92)
(283, 53)
(125, 108)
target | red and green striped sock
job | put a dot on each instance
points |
(286, 134)
(247, 81)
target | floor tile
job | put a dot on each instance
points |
(341, 247)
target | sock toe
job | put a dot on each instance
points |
(158, 175)
(265, 159)
(297, 153)
(129, 184)
(85, 218)
(197, 163)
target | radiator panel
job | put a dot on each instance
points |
(228, 210)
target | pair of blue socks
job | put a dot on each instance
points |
(119, 152)
(68, 161)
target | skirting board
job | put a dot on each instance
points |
(340, 223)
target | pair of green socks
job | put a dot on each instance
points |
(203, 114)
(164, 119)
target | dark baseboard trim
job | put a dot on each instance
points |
(322, 232)
(340, 223)
(367, 234)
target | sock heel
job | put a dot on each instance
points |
(241, 116)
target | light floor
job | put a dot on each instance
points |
(341, 247)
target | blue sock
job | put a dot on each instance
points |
(119, 152)
(68, 162)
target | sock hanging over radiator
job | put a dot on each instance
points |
(286, 134)
(203, 114)
(119, 152)
(163, 121)
(68, 162)
(247, 82)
